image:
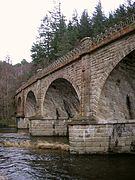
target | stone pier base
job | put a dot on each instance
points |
(91, 137)
(48, 127)
(22, 123)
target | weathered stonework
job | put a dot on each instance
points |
(102, 137)
(48, 127)
(22, 123)
(96, 82)
(117, 98)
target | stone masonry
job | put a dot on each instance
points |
(89, 94)
(111, 137)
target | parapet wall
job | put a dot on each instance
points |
(87, 45)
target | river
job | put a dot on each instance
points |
(25, 163)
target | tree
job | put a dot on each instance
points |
(73, 30)
(130, 7)
(41, 50)
(60, 42)
(53, 38)
(120, 13)
(85, 28)
(38, 54)
(11, 78)
(23, 62)
(98, 20)
(7, 83)
(56, 37)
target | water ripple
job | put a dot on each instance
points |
(35, 164)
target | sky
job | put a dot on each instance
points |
(20, 20)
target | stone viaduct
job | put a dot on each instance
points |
(88, 95)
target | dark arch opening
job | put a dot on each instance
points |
(117, 100)
(19, 102)
(61, 100)
(129, 106)
(30, 107)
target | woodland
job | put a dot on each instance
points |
(56, 36)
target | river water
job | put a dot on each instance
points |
(18, 163)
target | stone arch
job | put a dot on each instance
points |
(124, 48)
(61, 100)
(117, 98)
(66, 78)
(30, 104)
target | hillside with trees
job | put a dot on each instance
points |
(11, 78)
(56, 36)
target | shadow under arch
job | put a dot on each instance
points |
(30, 105)
(117, 98)
(61, 100)
(111, 67)
(19, 103)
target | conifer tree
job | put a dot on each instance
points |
(59, 43)
(53, 38)
(98, 20)
(85, 28)
(41, 50)
(73, 30)
(120, 13)
(130, 7)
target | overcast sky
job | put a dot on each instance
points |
(20, 19)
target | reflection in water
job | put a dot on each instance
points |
(36, 164)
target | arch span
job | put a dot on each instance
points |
(61, 100)
(117, 99)
(30, 104)
(121, 54)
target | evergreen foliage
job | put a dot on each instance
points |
(98, 20)
(85, 25)
(57, 37)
